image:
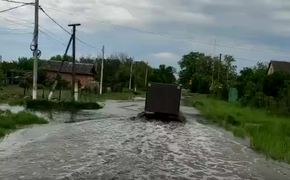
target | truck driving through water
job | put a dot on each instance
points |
(163, 100)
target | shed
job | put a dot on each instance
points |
(275, 66)
(85, 73)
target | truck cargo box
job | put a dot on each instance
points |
(163, 99)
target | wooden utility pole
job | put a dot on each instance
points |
(131, 70)
(219, 68)
(102, 70)
(74, 86)
(58, 72)
(35, 52)
(146, 75)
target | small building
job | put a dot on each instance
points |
(275, 66)
(85, 73)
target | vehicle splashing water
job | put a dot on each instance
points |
(111, 144)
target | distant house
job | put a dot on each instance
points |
(85, 73)
(275, 66)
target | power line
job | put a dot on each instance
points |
(168, 36)
(130, 28)
(15, 33)
(52, 39)
(24, 4)
(18, 2)
(14, 22)
(16, 7)
(42, 27)
(243, 59)
(47, 35)
(54, 20)
(65, 29)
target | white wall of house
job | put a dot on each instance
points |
(271, 69)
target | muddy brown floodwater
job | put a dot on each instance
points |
(109, 144)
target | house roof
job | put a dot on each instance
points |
(80, 68)
(280, 65)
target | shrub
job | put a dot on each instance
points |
(117, 88)
(10, 121)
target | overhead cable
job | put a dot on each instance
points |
(165, 35)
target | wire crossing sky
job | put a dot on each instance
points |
(162, 32)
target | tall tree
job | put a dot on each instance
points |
(87, 59)
(2, 77)
(163, 74)
(61, 57)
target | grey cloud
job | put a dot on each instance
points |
(235, 22)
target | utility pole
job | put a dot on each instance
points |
(57, 74)
(214, 47)
(228, 68)
(35, 52)
(130, 83)
(213, 62)
(74, 85)
(102, 70)
(146, 74)
(220, 61)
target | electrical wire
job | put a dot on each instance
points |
(243, 59)
(15, 22)
(165, 35)
(15, 33)
(52, 39)
(42, 27)
(59, 42)
(130, 28)
(47, 35)
(53, 20)
(16, 7)
(83, 42)
(11, 1)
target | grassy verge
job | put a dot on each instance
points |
(10, 122)
(13, 95)
(269, 134)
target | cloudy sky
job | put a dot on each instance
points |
(239, 27)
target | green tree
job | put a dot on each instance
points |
(25, 85)
(25, 63)
(163, 74)
(2, 77)
(231, 74)
(87, 59)
(61, 57)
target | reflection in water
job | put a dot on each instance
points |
(110, 144)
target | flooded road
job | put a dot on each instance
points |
(109, 144)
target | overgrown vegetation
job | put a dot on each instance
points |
(10, 122)
(255, 88)
(263, 107)
(116, 78)
(268, 133)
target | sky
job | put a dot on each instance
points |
(156, 31)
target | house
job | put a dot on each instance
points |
(85, 73)
(278, 66)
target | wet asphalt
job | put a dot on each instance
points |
(113, 144)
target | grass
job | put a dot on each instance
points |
(268, 134)
(13, 95)
(10, 122)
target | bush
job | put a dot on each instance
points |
(117, 88)
(10, 121)
(97, 89)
